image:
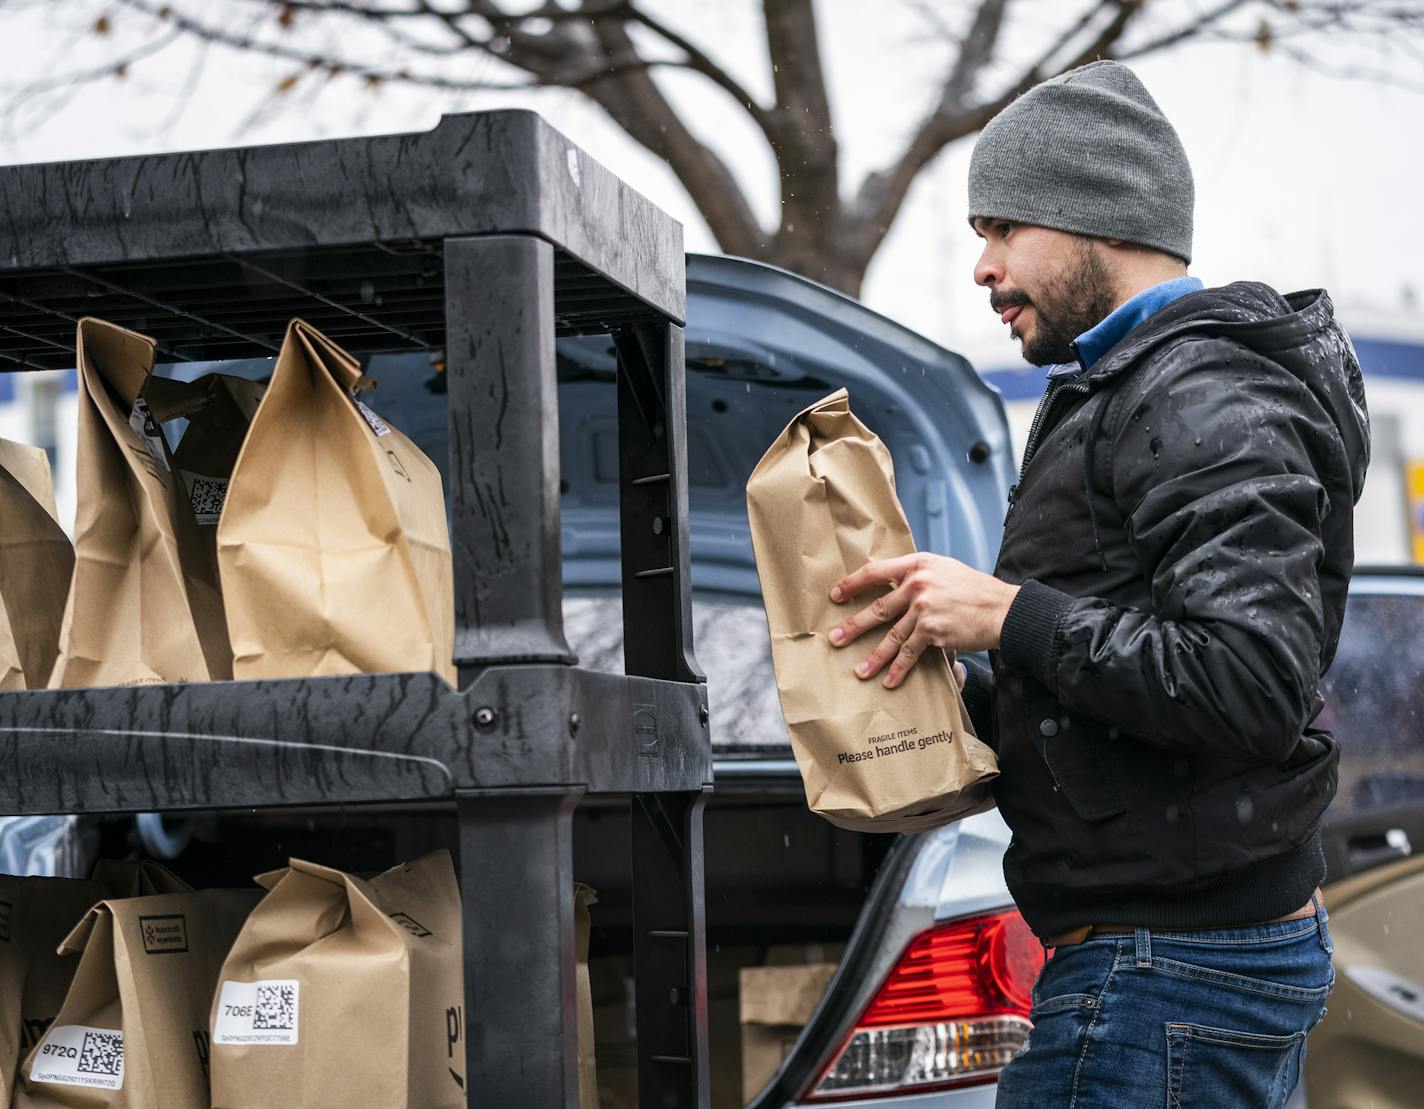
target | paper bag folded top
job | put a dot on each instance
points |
(36, 562)
(333, 547)
(822, 503)
(292, 533)
(133, 1030)
(144, 604)
(35, 916)
(341, 992)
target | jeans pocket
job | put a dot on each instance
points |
(1050, 1005)
(1213, 1067)
(1246, 983)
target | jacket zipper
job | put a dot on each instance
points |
(1038, 428)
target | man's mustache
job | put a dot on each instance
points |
(1002, 302)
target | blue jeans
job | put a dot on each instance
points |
(1176, 1019)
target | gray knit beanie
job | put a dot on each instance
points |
(1091, 153)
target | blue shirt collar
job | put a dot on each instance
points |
(1098, 340)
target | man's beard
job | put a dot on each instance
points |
(1071, 302)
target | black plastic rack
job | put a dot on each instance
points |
(482, 240)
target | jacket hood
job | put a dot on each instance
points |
(1297, 331)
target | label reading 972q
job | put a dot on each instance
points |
(257, 1012)
(76, 1055)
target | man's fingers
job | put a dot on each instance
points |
(882, 610)
(879, 572)
(888, 648)
(905, 658)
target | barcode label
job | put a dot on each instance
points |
(258, 1012)
(147, 429)
(207, 496)
(378, 425)
(76, 1055)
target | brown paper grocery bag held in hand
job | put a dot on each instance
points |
(36, 561)
(341, 992)
(822, 504)
(133, 1030)
(140, 607)
(36, 914)
(333, 547)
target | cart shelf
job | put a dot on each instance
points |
(480, 241)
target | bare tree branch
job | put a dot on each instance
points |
(882, 194)
(640, 108)
(803, 138)
(700, 62)
(613, 51)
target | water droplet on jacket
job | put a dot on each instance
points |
(1245, 811)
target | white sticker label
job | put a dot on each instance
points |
(142, 421)
(75, 1055)
(207, 495)
(378, 425)
(257, 1012)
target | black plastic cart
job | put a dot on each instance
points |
(484, 239)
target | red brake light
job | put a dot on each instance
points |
(952, 1012)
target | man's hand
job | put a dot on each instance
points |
(935, 601)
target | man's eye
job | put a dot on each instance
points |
(1003, 228)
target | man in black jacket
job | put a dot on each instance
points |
(1168, 594)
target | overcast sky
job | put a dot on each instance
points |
(1302, 180)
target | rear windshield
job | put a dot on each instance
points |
(733, 648)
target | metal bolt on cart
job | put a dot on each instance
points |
(484, 238)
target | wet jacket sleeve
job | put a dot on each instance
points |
(1213, 462)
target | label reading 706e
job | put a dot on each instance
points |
(258, 1012)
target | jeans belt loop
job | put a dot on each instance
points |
(1144, 946)
(1321, 932)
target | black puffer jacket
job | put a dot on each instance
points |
(1182, 529)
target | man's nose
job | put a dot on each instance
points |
(988, 271)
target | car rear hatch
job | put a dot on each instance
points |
(761, 344)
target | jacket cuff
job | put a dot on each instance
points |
(1029, 640)
(978, 699)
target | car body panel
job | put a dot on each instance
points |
(1369, 1048)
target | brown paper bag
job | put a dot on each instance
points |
(341, 992)
(821, 504)
(776, 1003)
(333, 546)
(36, 562)
(219, 410)
(133, 1030)
(140, 608)
(35, 916)
(587, 1067)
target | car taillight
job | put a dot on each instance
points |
(952, 1012)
